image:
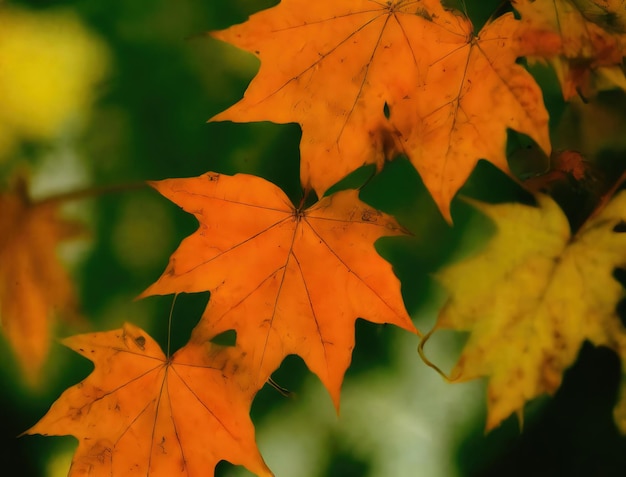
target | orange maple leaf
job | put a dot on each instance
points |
(584, 40)
(289, 281)
(472, 95)
(367, 80)
(143, 413)
(33, 284)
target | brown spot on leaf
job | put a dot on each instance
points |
(140, 341)
(370, 215)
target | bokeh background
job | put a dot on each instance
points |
(107, 94)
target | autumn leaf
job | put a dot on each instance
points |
(289, 281)
(584, 41)
(51, 64)
(368, 80)
(141, 412)
(331, 67)
(473, 94)
(34, 287)
(533, 296)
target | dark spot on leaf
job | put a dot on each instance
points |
(369, 215)
(620, 227)
(386, 111)
(422, 12)
(141, 342)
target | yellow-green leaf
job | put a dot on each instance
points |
(533, 296)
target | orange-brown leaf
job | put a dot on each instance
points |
(472, 95)
(33, 284)
(565, 166)
(367, 80)
(331, 67)
(142, 413)
(289, 281)
(584, 40)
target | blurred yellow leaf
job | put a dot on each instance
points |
(49, 63)
(533, 296)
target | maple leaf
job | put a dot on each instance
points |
(33, 284)
(143, 413)
(533, 296)
(289, 281)
(584, 41)
(565, 167)
(473, 93)
(367, 80)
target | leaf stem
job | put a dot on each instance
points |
(90, 192)
(169, 326)
(284, 391)
(427, 362)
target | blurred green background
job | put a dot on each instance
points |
(137, 111)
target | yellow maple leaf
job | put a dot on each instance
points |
(533, 296)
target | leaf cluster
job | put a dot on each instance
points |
(368, 83)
